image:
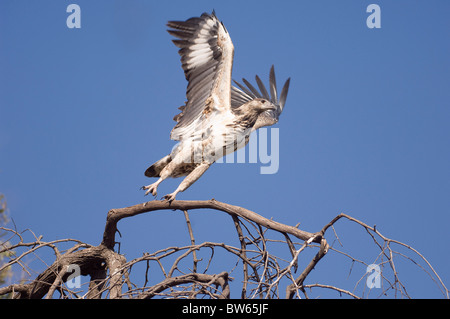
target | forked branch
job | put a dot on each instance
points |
(264, 268)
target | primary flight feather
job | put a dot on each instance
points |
(217, 118)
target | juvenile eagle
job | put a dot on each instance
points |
(217, 118)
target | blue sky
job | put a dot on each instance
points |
(365, 130)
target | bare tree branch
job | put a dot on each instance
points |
(115, 215)
(264, 269)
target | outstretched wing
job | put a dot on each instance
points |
(243, 94)
(206, 56)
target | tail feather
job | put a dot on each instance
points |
(156, 168)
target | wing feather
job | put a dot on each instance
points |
(273, 85)
(247, 92)
(284, 92)
(206, 54)
(250, 86)
(262, 88)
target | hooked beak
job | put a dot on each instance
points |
(268, 107)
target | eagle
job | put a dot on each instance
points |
(218, 117)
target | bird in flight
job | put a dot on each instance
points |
(218, 117)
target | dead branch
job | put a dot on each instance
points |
(264, 271)
(115, 215)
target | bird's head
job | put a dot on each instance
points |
(265, 105)
(249, 112)
(268, 114)
(259, 105)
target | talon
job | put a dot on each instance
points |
(169, 197)
(150, 189)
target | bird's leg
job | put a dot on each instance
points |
(165, 173)
(189, 180)
(152, 187)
